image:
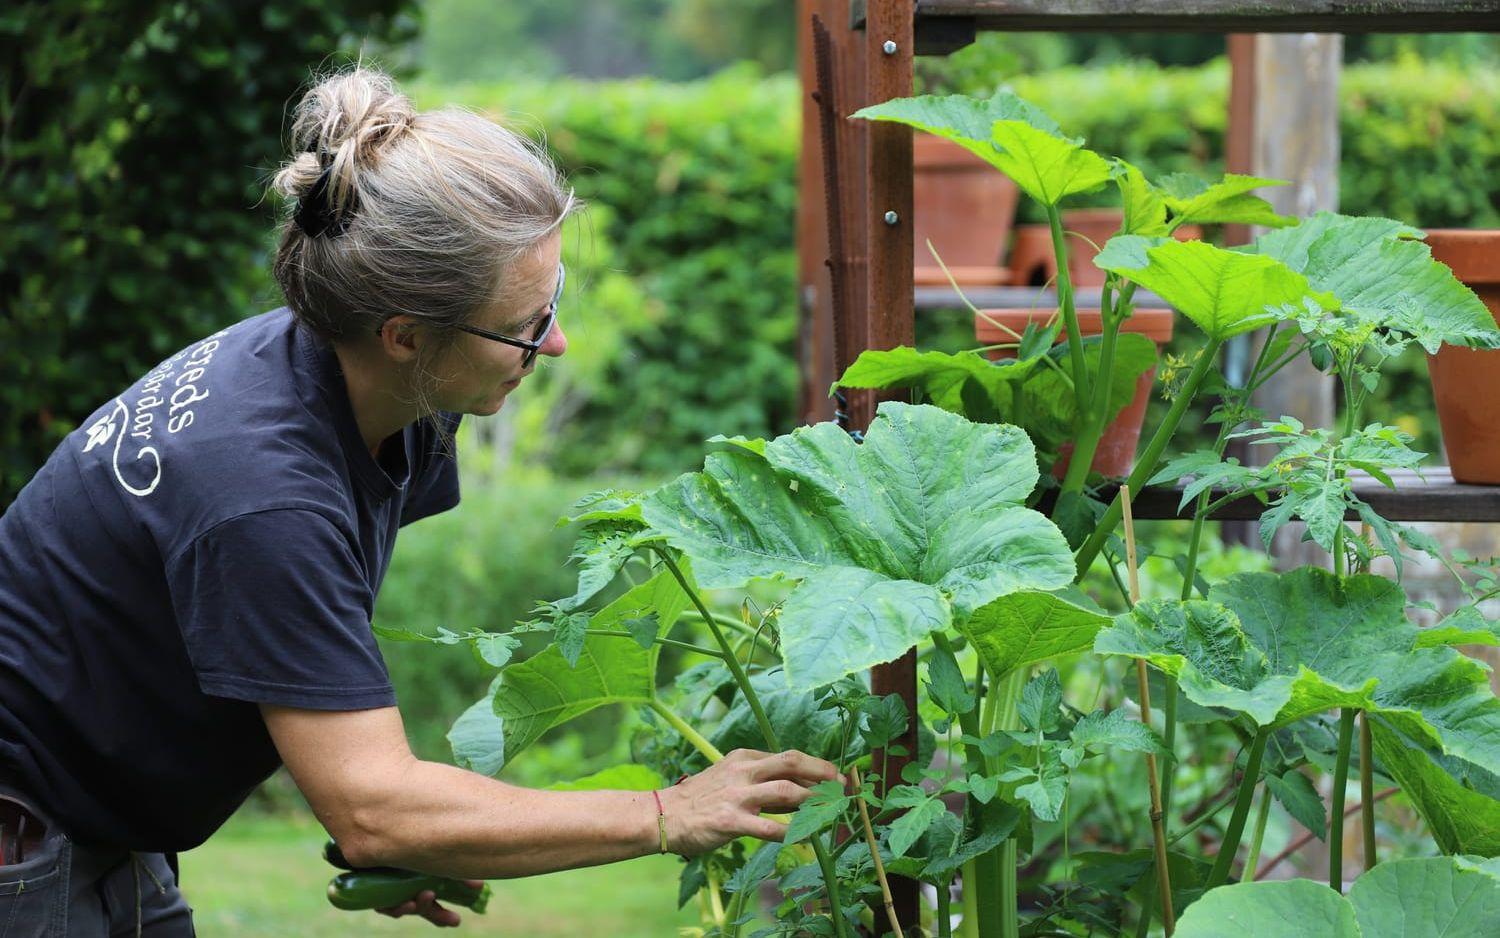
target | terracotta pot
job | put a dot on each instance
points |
(1116, 453)
(1466, 382)
(965, 207)
(1032, 260)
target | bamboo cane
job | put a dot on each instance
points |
(885, 887)
(1158, 828)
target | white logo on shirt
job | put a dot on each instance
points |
(161, 386)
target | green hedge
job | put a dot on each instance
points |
(135, 137)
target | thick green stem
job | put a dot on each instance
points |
(1145, 467)
(1257, 836)
(735, 668)
(830, 880)
(1008, 719)
(686, 730)
(968, 926)
(1336, 811)
(1169, 740)
(944, 910)
(1231, 844)
(1089, 425)
(685, 646)
(1367, 789)
(1081, 387)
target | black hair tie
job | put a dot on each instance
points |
(315, 213)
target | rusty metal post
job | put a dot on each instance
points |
(890, 306)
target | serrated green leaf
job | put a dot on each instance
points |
(1301, 800)
(914, 823)
(889, 537)
(946, 685)
(1144, 205)
(477, 737)
(1408, 898)
(1228, 201)
(965, 120)
(1297, 908)
(1466, 626)
(1460, 806)
(987, 829)
(1114, 730)
(1045, 165)
(885, 719)
(1030, 627)
(824, 806)
(762, 863)
(1046, 791)
(1384, 277)
(568, 634)
(800, 724)
(628, 777)
(1041, 701)
(1223, 292)
(539, 693)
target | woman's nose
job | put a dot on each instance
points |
(557, 342)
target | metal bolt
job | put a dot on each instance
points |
(889, 47)
(891, 218)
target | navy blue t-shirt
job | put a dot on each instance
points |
(211, 539)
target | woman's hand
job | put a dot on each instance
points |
(725, 801)
(426, 905)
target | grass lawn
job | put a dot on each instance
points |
(266, 876)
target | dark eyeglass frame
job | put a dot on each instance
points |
(543, 328)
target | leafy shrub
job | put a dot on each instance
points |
(134, 139)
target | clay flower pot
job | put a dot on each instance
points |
(966, 207)
(1116, 453)
(1033, 262)
(1466, 382)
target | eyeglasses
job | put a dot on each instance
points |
(539, 334)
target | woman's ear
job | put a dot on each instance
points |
(401, 338)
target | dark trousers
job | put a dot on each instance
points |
(65, 889)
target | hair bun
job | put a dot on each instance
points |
(342, 123)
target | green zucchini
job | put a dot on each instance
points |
(383, 888)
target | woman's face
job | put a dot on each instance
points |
(477, 374)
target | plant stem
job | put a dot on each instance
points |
(944, 909)
(1010, 925)
(686, 646)
(1306, 837)
(1336, 813)
(1145, 467)
(1089, 425)
(1231, 843)
(1081, 386)
(968, 926)
(1204, 818)
(686, 730)
(735, 668)
(736, 908)
(1257, 836)
(830, 878)
(1367, 790)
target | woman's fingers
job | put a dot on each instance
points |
(426, 905)
(779, 795)
(798, 766)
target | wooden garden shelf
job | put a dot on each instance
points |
(928, 298)
(943, 26)
(1435, 498)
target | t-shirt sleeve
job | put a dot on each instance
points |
(435, 488)
(274, 608)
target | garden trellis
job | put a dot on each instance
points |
(872, 45)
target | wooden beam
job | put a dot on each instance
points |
(1295, 136)
(889, 314)
(1433, 496)
(1265, 16)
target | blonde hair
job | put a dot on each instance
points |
(429, 209)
